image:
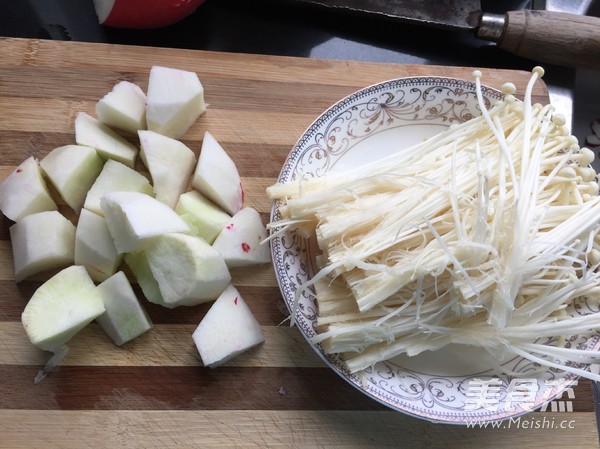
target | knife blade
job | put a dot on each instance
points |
(448, 14)
(545, 36)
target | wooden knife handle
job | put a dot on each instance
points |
(553, 37)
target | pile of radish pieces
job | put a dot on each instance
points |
(178, 243)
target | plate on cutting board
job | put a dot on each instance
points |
(369, 124)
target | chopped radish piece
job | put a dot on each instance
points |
(202, 215)
(135, 219)
(72, 170)
(227, 329)
(61, 307)
(90, 132)
(217, 177)
(170, 163)
(24, 192)
(139, 266)
(240, 241)
(188, 270)
(35, 251)
(115, 177)
(94, 247)
(174, 101)
(124, 107)
(124, 318)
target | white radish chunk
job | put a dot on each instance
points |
(61, 307)
(94, 247)
(228, 329)
(140, 268)
(124, 318)
(41, 242)
(24, 192)
(240, 240)
(115, 177)
(217, 177)
(203, 216)
(134, 219)
(90, 132)
(170, 163)
(175, 99)
(72, 170)
(188, 270)
(124, 107)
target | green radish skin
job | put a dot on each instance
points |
(61, 307)
(203, 216)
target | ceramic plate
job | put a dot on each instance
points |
(453, 385)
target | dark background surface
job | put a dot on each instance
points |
(268, 27)
(279, 27)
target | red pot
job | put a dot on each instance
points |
(142, 14)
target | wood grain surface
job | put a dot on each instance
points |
(154, 392)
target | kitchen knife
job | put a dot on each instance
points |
(546, 36)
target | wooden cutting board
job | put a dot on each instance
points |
(153, 392)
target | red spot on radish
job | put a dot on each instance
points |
(19, 170)
(230, 226)
(245, 247)
(235, 300)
